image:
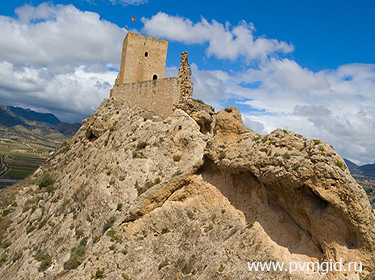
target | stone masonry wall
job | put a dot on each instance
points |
(143, 59)
(184, 74)
(157, 96)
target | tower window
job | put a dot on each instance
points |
(146, 54)
(155, 77)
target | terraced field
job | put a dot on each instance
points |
(20, 159)
(21, 166)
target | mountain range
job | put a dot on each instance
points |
(13, 116)
(367, 170)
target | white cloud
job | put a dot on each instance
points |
(224, 41)
(56, 59)
(128, 2)
(254, 125)
(209, 85)
(71, 96)
(47, 35)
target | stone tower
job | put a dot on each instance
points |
(143, 59)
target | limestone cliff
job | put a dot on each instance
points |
(195, 195)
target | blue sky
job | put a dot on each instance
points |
(325, 34)
(306, 66)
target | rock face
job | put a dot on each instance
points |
(195, 195)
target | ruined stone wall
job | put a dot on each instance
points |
(143, 59)
(157, 96)
(184, 74)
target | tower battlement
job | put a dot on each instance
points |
(154, 40)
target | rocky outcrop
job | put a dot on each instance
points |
(305, 178)
(202, 113)
(195, 195)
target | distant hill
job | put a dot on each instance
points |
(364, 170)
(27, 138)
(13, 116)
(351, 165)
(8, 118)
(31, 115)
(68, 129)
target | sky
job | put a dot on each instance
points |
(305, 66)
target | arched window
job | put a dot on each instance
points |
(146, 54)
(155, 77)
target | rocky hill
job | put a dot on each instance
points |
(195, 195)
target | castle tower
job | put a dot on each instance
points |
(143, 59)
(141, 79)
